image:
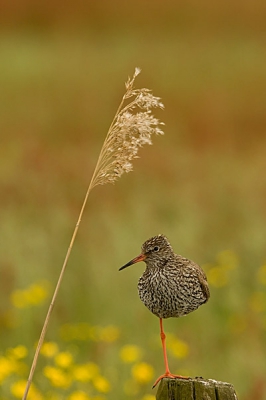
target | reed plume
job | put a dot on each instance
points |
(129, 131)
(131, 128)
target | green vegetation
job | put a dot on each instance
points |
(202, 185)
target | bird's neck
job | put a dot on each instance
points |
(156, 264)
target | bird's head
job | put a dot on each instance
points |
(156, 251)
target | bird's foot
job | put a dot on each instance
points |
(168, 375)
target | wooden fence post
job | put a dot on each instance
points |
(195, 389)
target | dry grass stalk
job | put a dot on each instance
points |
(132, 127)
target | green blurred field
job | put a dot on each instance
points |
(203, 185)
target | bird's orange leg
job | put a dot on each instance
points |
(167, 373)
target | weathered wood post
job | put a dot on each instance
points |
(195, 389)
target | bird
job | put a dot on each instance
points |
(171, 286)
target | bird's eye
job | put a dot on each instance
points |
(156, 248)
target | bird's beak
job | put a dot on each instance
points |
(135, 260)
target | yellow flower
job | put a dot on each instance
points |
(130, 353)
(101, 384)
(49, 349)
(261, 274)
(219, 273)
(177, 347)
(6, 368)
(64, 359)
(85, 372)
(35, 294)
(18, 299)
(57, 377)
(218, 276)
(17, 389)
(78, 395)
(142, 372)
(18, 352)
(109, 333)
(148, 397)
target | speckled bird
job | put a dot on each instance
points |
(171, 285)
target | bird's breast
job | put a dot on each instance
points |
(170, 292)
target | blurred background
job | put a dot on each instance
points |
(62, 73)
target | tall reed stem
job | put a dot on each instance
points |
(47, 319)
(128, 131)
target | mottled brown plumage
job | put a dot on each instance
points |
(171, 285)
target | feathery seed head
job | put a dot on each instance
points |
(132, 127)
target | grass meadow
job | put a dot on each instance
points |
(202, 184)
